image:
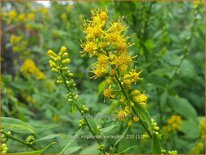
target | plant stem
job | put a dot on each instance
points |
(128, 99)
(126, 96)
(19, 140)
(87, 122)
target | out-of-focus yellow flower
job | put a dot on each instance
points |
(44, 10)
(30, 16)
(15, 39)
(197, 3)
(55, 118)
(30, 99)
(30, 68)
(202, 128)
(12, 14)
(64, 16)
(81, 17)
(68, 8)
(19, 45)
(173, 123)
(21, 17)
(198, 148)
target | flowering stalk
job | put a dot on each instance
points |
(58, 64)
(108, 43)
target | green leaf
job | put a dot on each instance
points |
(163, 99)
(40, 128)
(37, 151)
(118, 140)
(127, 149)
(17, 125)
(143, 114)
(187, 70)
(190, 129)
(69, 143)
(90, 150)
(183, 107)
(72, 149)
(101, 87)
(52, 136)
(109, 128)
(156, 144)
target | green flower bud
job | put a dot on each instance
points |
(66, 61)
(52, 53)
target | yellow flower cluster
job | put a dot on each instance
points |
(173, 123)
(19, 44)
(198, 148)
(108, 43)
(13, 16)
(29, 68)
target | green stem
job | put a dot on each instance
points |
(87, 122)
(126, 96)
(19, 140)
(128, 99)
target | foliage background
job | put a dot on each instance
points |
(169, 42)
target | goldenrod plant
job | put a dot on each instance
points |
(58, 64)
(107, 77)
(108, 42)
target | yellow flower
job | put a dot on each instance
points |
(135, 92)
(122, 115)
(30, 16)
(141, 99)
(90, 48)
(127, 83)
(103, 15)
(44, 10)
(129, 123)
(15, 39)
(98, 70)
(136, 119)
(22, 17)
(68, 8)
(64, 16)
(102, 59)
(173, 123)
(12, 14)
(198, 148)
(99, 17)
(117, 61)
(108, 93)
(134, 75)
(30, 68)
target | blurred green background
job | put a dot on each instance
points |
(169, 42)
